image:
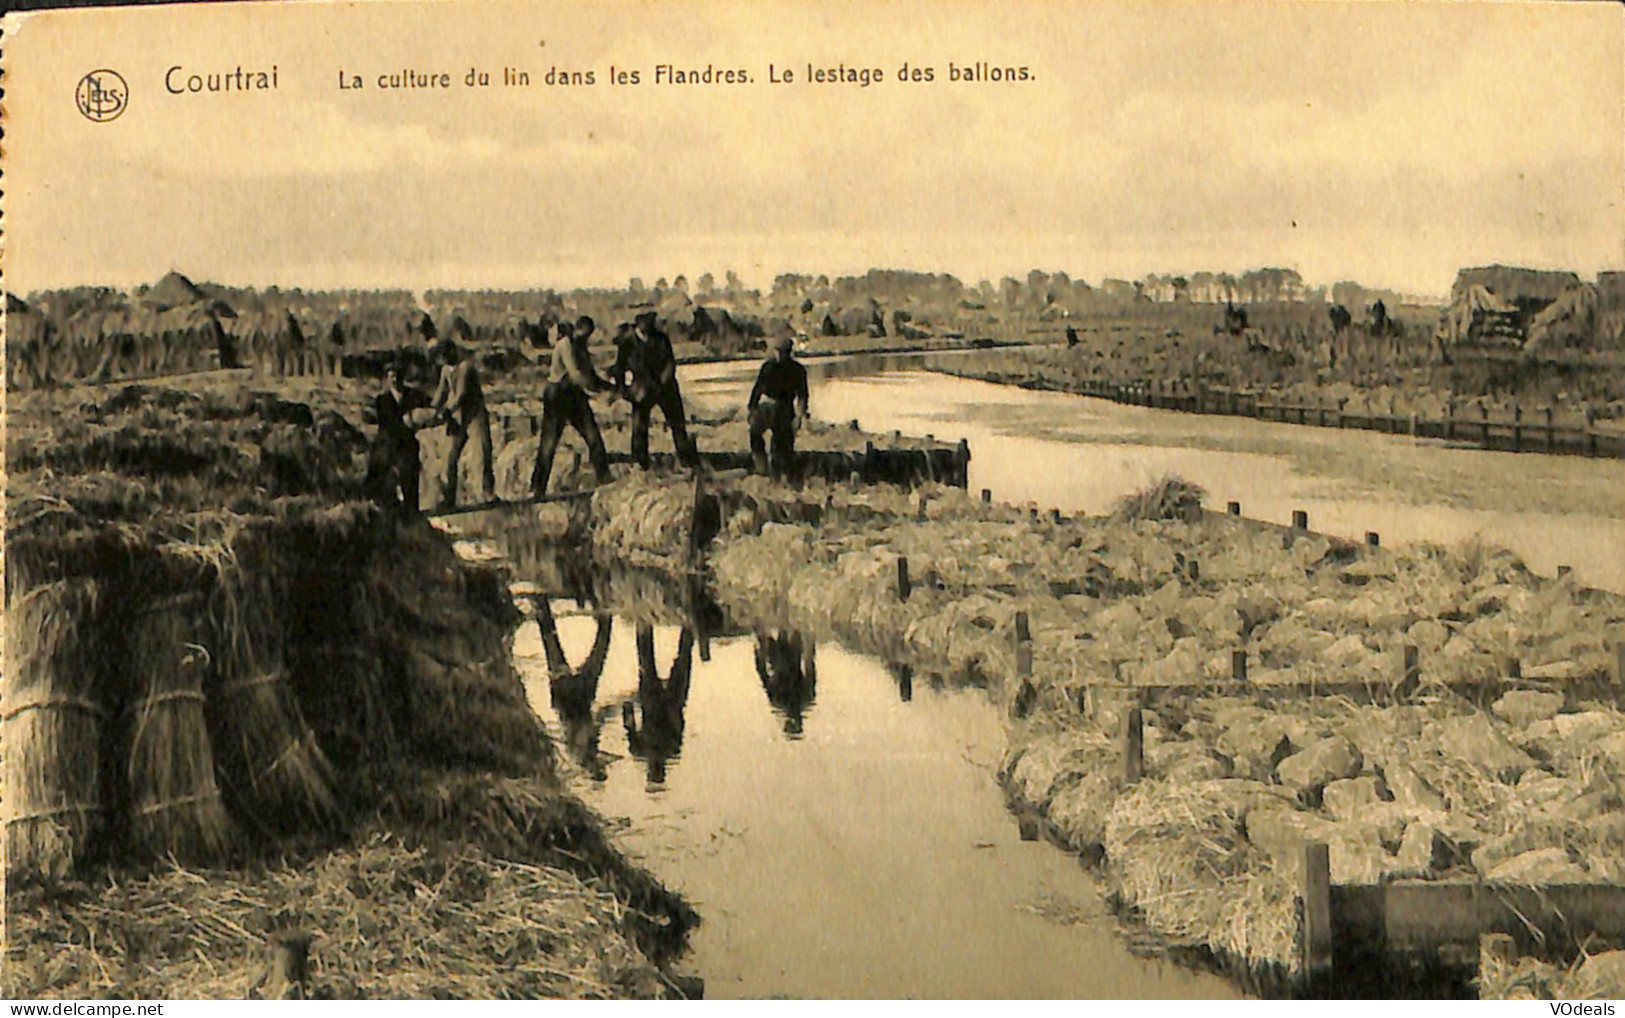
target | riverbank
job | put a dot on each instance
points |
(256, 727)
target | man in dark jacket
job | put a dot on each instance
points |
(645, 373)
(393, 462)
(778, 403)
(567, 400)
(460, 402)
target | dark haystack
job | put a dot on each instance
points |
(177, 810)
(1522, 287)
(56, 721)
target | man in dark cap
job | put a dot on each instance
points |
(778, 403)
(645, 373)
(459, 401)
(393, 460)
(567, 400)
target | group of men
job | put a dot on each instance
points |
(644, 374)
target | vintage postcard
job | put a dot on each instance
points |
(929, 499)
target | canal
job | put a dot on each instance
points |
(1080, 454)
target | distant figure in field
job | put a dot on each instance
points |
(1379, 319)
(778, 403)
(1235, 319)
(459, 402)
(1340, 317)
(1071, 337)
(567, 399)
(573, 690)
(394, 462)
(661, 737)
(423, 325)
(645, 356)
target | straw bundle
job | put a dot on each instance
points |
(1171, 498)
(176, 804)
(274, 769)
(56, 718)
(1180, 855)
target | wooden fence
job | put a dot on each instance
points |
(1515, 433)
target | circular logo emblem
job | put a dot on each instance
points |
(102, 95)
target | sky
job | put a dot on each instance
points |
(1384, 142)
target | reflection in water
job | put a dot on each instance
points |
(904, 675)
(662, 702)
(573, 690)
(785, 664)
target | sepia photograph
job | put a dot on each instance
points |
(912, 499)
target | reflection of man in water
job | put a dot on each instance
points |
(661, 737)
(789, 675)
(573, 691)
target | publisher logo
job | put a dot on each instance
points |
(102, 95)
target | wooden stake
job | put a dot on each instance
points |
(919, 508)
(1315, 891)
(1234, 508)
(987, 496)
(1133, 746)
(1619, 662)
(1372, 539)
(903, 586)
(1238, 665)
(1300, 519)
(1023, 630)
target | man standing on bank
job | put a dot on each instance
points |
(645, 353)
(460, 402)
(778, 403)
(568, 400)
(393, 460)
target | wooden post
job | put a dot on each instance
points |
(854, 424)
(1133, 746)
(919, 508)
(1450, 420)
(1024, 660)
(1238, 665)
(1300, 519)
(1315, 891)
(1372, 539)
(987, 496)
(1517, 429)
(1023, 630)
(903, 586)
(1234, 508)
(1550, 436)
(962, 463)
(1619, 661)
(1484, 414)
(1411, 677)
(1194, 569)
(1055, 515)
